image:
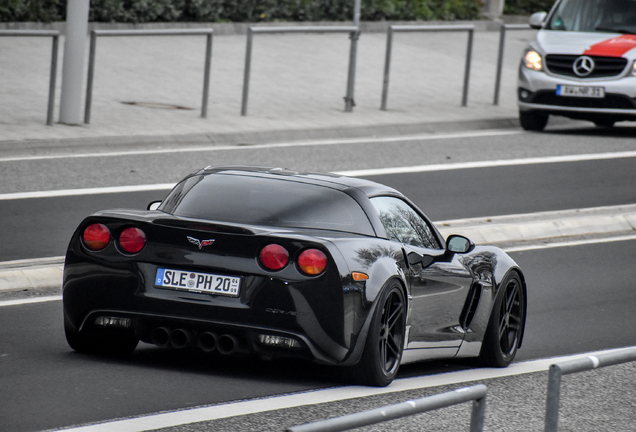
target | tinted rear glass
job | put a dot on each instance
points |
(266, 201)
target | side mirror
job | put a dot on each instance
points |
(536, 19)
(459, 244)
(423, 260)
(154, 205)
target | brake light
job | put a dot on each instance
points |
(96, 236)
(132, 240)
(274, 257)
(312, 262)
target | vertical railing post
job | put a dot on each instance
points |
(502, 40)
(469, 54)
(353, 54)
(246, 72)
(478, 414)
(387, 67)
(552, 401)
(206, 76)
(52, 80)
(89, 80)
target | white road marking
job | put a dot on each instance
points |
(488, 164)
(354, 173)
(207, 413)
(338, 141)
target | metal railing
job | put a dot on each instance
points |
(408, 28)
(578, 365)
(352, 30)
(170, 32)
(53, 73)
(475, 393)
(502, 41)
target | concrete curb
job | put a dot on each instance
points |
(526, 228)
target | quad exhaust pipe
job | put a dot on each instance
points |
(225, 344)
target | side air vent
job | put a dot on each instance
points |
(472, 301)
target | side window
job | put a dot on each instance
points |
(403, 224)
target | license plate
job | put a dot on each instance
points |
(580, 91)
(198, 282)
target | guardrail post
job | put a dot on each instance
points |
(89, 79)
(353, 52)
(425, 28)
(206, 75)
(556, 371)
(387, 67)
(469, 54)
(52, 79)
(53, 71)
(246, 71)
(476, 393)
(500, 54)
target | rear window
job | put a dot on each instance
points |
(266, 201)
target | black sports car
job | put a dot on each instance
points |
(265, 261)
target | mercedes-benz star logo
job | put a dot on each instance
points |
(583, 66)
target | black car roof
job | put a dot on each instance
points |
(333, 180)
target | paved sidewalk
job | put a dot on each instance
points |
(151, 86)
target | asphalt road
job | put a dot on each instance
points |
(581, 297)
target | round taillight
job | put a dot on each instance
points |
(312, 262)
(132, 240)
(274, 257)
(96, 236)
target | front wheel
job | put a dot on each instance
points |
(533, 120)
(383, 349)
(506, 325)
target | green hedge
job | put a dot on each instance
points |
(527, 7)
(139, 11)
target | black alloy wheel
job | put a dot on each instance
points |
(383, 350)
(506, 326)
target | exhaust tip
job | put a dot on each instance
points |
(226, 344)
(180, 338)
(207, 341)
(160, 336)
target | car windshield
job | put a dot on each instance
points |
(618, 16)
(267, 202)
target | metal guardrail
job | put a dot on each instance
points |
(53, 74)
(578, 365)
(502, 41)
(169, 32)
(414, 28)
(475, 393)
(354, 35)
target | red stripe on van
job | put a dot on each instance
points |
(615, 47)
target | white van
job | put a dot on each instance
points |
(581, 65)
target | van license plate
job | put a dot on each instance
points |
(580, 91)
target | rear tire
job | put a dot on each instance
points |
(383, 349)
(506, 325)
(533, 120)
(112, 344)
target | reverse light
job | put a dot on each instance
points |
(113, 322)
(132, 240)
(533, 61)
(278, 341)
(312, 262)
(274, 257)
(96, 236)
